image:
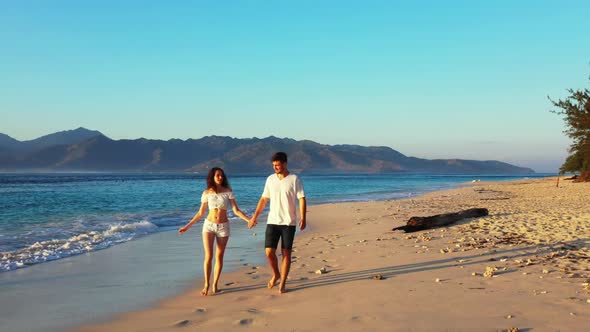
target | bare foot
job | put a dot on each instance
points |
(282, 289)
(205, 291)
(216, 290)
(272, 282)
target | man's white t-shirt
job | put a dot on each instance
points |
(283, 194)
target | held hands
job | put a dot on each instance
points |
(252, 222)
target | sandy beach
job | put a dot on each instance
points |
(524, 266)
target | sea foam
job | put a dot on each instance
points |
(49, 250)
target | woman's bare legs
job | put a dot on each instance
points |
(219, 252)
(208, 239)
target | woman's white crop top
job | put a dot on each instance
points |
(217, 200)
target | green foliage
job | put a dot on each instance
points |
(576, 111)
(573, 164)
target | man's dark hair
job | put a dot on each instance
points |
(279, 156)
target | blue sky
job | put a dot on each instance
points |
(431, 79)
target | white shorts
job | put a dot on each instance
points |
(220, 230)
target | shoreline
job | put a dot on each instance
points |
(99, 285)
(534, 248)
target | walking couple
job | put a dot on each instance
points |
(282, 189)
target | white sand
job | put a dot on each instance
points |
(535, 243)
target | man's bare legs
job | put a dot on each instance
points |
(271, 256)
(274, 265)
(219, 252)
(285, 267)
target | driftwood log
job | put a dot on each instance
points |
(415, 224)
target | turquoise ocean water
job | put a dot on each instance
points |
(46, 217)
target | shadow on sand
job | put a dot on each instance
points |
(391, 271)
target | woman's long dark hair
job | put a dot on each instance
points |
(211, 179)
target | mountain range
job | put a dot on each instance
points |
(88, 150)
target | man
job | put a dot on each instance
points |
(283, 189)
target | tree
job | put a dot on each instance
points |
(573, 164)
(576, 111)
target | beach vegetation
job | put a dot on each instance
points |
(574, 163)
(575, 110)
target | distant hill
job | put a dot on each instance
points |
(8, 143)
(66, 137)
(85, 150)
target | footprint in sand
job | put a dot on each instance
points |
(182, 323)
(230, 283)
(200, 310)
(245, 321)
(253, 311)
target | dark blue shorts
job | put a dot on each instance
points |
(275, 232)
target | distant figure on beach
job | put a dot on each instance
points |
(217, 197)
(283, 189)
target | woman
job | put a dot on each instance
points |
(217, 197)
